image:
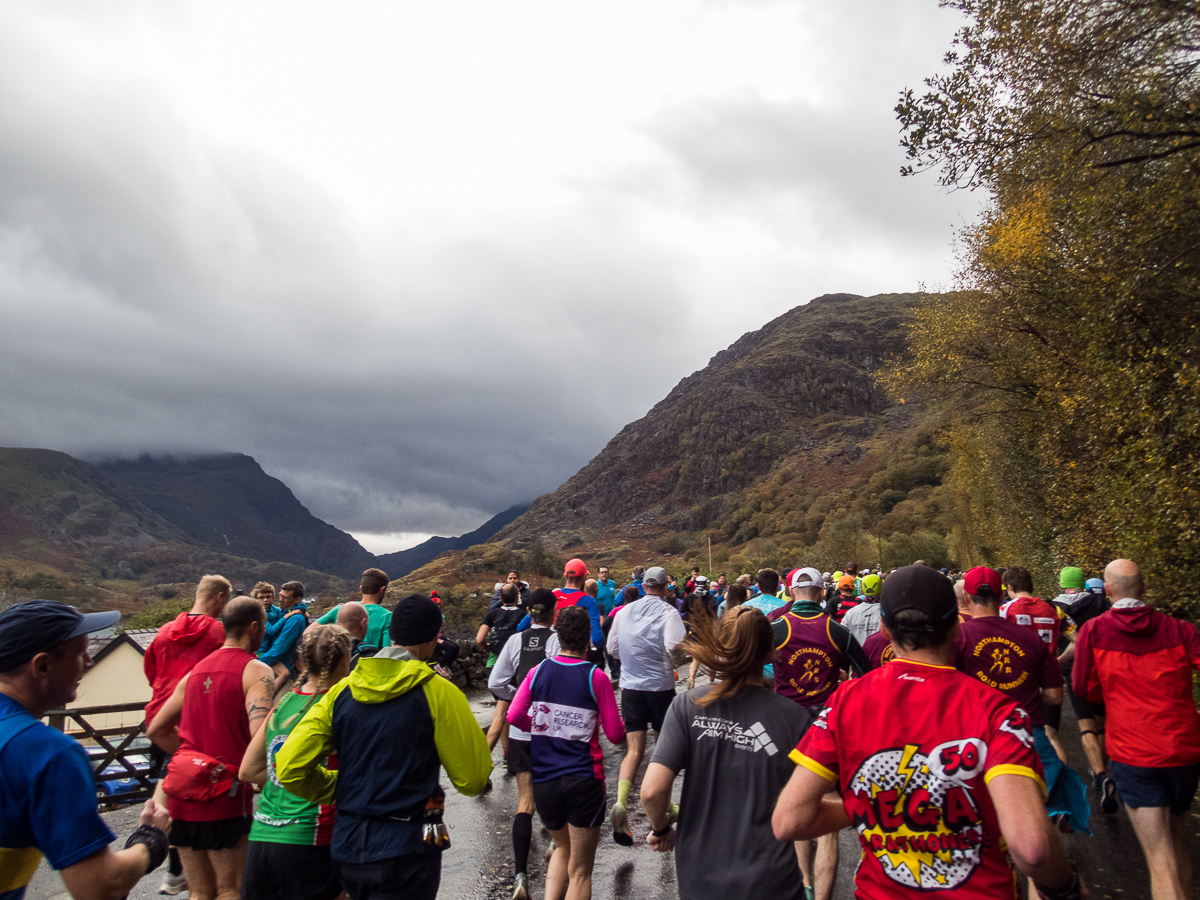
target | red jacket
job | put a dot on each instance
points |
(177, 647)
(1139, 662)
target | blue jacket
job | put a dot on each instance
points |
(282, 639)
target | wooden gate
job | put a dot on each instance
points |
(107, 747)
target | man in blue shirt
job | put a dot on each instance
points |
(282, 639)
(47, 792)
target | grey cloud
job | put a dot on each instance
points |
(162, 292)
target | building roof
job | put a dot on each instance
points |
(101, 644)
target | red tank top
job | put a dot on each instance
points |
(215, 722)
(1038, 616)
(809, 662)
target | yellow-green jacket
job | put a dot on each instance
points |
(392, 723)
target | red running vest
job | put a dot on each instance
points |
(215, 722)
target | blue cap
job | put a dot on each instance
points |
(36, 626)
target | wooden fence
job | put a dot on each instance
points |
(107, 747)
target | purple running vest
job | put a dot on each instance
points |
(809, 662)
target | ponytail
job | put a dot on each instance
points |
(734, 649)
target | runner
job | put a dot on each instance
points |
(283, 637)
(573, 594)
(645, 636)
(373, 587)
(844, 600)
(1014, 660)
(813, 651)
(726, 737)
(516, 660)
(1046, 621)
(48, 790)
(941, 784)
(264, 592)
(1153, 735)
(862, 621)
(215, 710)
(571, 699)
(1082, 603)
(878, 650)
(176, 648)
(288, 854)
(499, 624)
(964, 602)
(394, 725)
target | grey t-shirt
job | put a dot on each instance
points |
(734, 754)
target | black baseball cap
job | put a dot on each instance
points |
(920, 588)
(36, 626)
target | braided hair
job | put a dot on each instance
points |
(321, 649)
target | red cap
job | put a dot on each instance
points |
(981, 575)
(575, 568)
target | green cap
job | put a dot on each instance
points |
(1071, 577)
(871, 585)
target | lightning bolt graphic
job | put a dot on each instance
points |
(906, 768)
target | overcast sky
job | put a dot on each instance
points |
(423, 259)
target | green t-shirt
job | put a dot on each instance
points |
(282, 817)
(379, 620)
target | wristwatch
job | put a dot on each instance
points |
(662, 832)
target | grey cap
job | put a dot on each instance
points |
(655, 575)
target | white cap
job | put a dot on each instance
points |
(807, 577)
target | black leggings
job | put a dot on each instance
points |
(415, 877)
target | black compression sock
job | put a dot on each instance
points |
(522, 838)
(174, 865)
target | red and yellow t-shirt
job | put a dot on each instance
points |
(912, 747)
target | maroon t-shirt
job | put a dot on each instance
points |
(1009, 658)
(878, 649)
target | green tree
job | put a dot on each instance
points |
(1073, 346)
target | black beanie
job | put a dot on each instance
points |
(415, 620)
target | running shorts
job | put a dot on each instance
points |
(576, 800)
(414, 877)
(1083, 709)
(1052, 715)
(1172, 787)
(289, 872)
(642, 709)
(219, 834)
(518, 758)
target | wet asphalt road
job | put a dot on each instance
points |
(479, 863)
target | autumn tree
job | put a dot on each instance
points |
(1073, 342)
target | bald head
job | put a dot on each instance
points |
(240, 614)
(960, 592)
(353, 617)
(1123, 578)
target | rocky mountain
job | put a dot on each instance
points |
(782, 435)
(69, 531)
(400, 563)
(227, 502)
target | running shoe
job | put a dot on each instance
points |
(810, 893)
(173, 884)
(620, 825)
(520, 887)
(1109, 801)
(672, 813)
(550, 848)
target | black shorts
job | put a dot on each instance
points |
(220, 834)
(576, 800)
(286, 871)
(641, 709)
(519, 759)
(1052, 715)
(414, 877)
(1173, 787)
(1083, 709)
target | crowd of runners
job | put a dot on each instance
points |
(301, 758)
